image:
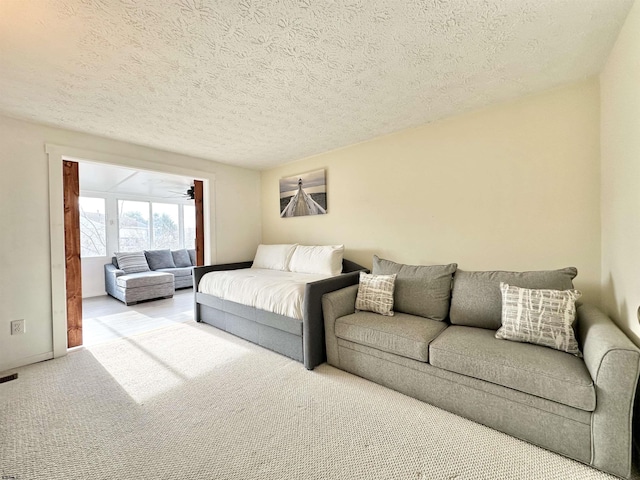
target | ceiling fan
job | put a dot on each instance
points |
(190, 193)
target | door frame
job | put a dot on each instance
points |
(57, 154)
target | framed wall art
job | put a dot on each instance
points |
(304, 194)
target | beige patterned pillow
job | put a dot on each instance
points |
(375, 293)
(543, 317)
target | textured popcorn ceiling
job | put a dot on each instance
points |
(259, 83)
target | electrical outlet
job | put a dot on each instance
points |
(17, 327)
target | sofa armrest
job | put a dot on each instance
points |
(614, 364)
(111, 273)
(313, 342)
(335, 305)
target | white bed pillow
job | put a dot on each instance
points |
(273, 257)
(324, 259)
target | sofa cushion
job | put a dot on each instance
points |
(423, 290)
(178, 272)
(192, 256)
(404, 335)
(375, 293)
(158, 259)
(181, 258)
(544, 372)
(476, 300)
(543, 317)
(145, 279)
(132, 262)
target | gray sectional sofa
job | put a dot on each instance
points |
(578, 407)
(166, 272)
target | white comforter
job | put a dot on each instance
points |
(271, 290)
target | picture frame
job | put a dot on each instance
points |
(303, 194)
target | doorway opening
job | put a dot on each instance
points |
(111, 209)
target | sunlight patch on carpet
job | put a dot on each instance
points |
(164, 360)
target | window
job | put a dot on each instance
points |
(154, 226)
(189, 226)
(93, 227)
(133, 218)
(166, 231)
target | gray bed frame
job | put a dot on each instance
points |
(302, 340)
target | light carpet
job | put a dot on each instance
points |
(192, 402)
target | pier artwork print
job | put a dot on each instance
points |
(304, 194)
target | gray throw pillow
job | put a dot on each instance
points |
(132, 262)
(542, 317)
(423, 290)
(181, 258)
(159, 259)
(476, 300)
(375, 293)
(192, 256)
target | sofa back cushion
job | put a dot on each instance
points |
(159, 259)
(476, 300)
(192, 256)
(423, 290)
(181, 258)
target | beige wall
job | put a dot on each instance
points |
(514, 186)
(620, 138)
(25, 258)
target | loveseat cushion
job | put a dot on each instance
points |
(476, 300)
(541, 371)
(405, 335)
(158, 259)
(144, 279)
(178, 272)
(423, 290)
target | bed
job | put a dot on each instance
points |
(252, 299)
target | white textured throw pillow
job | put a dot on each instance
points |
(323, 260)
(132, 262)
(273, 257)
(543, 317)
(375, 293)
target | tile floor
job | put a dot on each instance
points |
(104, 318)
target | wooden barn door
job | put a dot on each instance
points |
(71, 187)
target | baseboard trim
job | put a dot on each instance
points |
(22, 362)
